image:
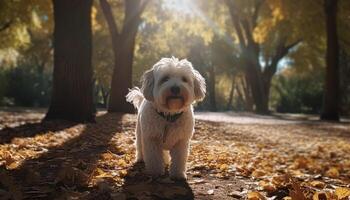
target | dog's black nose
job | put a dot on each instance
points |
(175, 90)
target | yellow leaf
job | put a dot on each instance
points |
(333, 172)
(223, 167)
(342, 192)
(258, 173)
(267, 186)
(318, 184)
(107, 156)
(123, 173)
(254, 195)
(101, 174)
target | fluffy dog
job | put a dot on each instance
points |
(165, 122)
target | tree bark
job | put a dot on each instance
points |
(123, 43)
(230, 97)
(72, 95)
(246, 94)
(330, 109)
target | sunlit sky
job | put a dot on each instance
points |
(179, 5)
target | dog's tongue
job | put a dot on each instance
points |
(174, 103)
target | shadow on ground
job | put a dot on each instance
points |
(32, 129)
(66, 167)
(65, 171)
(139, 186)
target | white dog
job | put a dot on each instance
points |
(165, 121)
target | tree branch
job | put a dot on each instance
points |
(257, 7)
(112, 25)
(236, 24)
(133, 11)
(282, 50)
(248, 32)
(5, 26)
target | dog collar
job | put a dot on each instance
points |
(170, 118)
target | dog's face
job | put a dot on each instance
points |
(173, 85)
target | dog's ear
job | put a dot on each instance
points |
(147, 85)
(199, 86)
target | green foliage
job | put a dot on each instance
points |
(299, 94)
(25, 86)
(3, 85)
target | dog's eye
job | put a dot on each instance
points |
(164, 79)
(184, 79)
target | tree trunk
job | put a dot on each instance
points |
(254, 78)
(247, 94)
(72, 95)
(122, 78)
(330, 110)
(123, 43)
(105, 96)
(230, 97)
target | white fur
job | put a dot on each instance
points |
(154, 144)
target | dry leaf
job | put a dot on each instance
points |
(296, 193)
(342, 192)
(267, 186)
(333, 172)
(258, 173)
(235, 194)
(210, 192)
(254, 195)
(318, 184)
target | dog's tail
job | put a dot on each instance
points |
(135, 97)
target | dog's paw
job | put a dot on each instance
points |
(178, 176)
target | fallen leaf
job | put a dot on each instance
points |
(342, 192)
(318, 184)
(235, 194)
(254, 195)
(197, 181)
(210, 192)
(223, 167)
(296, 193)
(258, 173)
(332, 172)
(265, 185)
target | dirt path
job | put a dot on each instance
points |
(243, 157)
(251, 118)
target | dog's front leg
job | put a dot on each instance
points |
(153, 157)
(179, 155)
(138, 143)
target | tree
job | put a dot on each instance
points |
(17, 20)
(258, 76)
(330, 110)
(123, 42)
(72, 97)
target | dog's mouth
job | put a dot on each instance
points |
(175, 102)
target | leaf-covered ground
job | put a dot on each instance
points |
(62, 160)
